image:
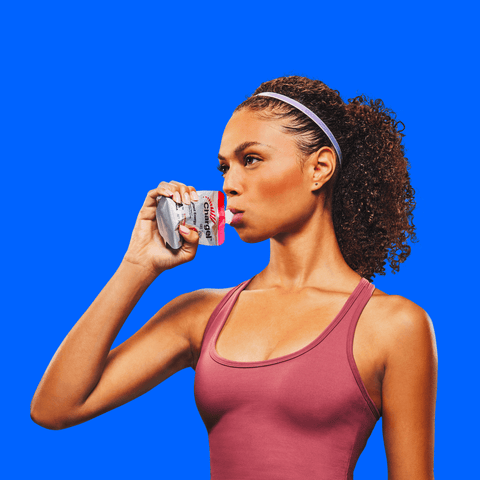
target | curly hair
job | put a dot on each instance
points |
(372, 199)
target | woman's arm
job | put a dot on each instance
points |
(409, 394)
(85, 379)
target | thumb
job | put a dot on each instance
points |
(190, 234)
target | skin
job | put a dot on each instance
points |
(394, 343)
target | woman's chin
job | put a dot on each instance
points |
(251, 237)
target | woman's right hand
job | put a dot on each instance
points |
(147, 247)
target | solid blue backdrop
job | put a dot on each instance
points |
(101, 101)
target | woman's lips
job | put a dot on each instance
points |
(237, 218)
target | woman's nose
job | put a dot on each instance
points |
(232, 183)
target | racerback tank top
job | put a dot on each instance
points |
(299, 416)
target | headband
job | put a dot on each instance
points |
(310, 114)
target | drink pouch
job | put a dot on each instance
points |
(208, 216)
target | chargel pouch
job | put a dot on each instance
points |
(208, 216)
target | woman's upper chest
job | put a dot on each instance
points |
(264, 325)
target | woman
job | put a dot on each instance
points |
(294, 366)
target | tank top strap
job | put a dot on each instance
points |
(351, 324)
(215, 316)
(358, 305)
(351, 311)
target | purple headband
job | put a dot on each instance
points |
(310, 114)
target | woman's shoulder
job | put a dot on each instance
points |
(398, 320)
(210, 296)
(205, 300)
(398, 307)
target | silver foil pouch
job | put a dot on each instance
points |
(207, 216)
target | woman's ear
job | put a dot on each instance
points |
(321, 165)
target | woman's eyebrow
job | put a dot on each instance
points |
(244, 146)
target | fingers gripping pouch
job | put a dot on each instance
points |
(207, 216)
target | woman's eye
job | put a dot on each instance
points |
(220, 167)
(251, 158)
(247, 159)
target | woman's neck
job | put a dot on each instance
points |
(309, 257)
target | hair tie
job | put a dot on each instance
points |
(308, 113)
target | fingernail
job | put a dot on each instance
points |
(169, 193)
(194, 196)
(184, 230)
(176, 197)
(186, 196)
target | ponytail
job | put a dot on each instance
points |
(373, 200)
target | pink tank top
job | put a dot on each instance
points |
(300, 416)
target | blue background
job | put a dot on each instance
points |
(101, 101)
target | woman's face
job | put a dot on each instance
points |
(263, 178)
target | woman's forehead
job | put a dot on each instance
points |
(247, 126)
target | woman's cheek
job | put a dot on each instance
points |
(280, 185)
